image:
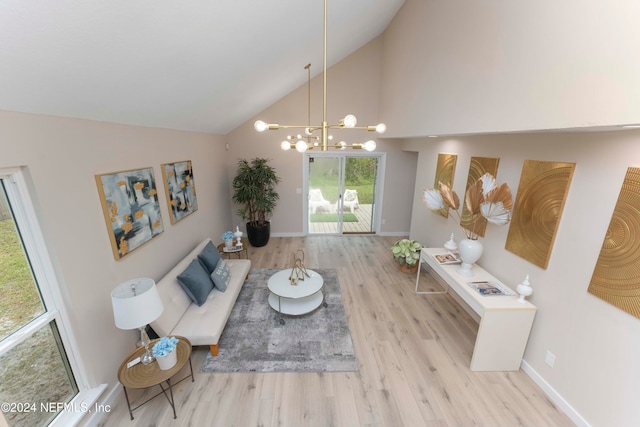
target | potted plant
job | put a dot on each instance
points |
(254, 190)
(406, 253)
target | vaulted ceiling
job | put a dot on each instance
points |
(200, 65)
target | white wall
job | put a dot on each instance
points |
(62, 156)
(352, 88)
(597, 346)
(461, 67)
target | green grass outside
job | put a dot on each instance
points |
(329, 187)
(20, 300)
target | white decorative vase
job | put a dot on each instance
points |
(470, 251)
(450, 244)
(238, 235)
(167, 362)
(524, 289)
(228, 243)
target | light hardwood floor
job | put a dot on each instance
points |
(413, 353)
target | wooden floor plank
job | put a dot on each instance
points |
(413, 353)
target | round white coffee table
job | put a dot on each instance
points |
(297, 300)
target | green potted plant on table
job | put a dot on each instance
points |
(254, 190)
(407, 254)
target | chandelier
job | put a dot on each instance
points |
(311, 139)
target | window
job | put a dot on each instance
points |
(38, 380)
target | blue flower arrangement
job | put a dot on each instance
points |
(227, 235)
(164, 346)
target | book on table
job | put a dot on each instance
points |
(448, 258)
(488, 288)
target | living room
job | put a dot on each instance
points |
(516, 96)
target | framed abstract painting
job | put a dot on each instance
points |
(131, 209)
(180, 189)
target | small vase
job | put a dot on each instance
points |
(167, 362)
(524, 289)
(228, 243)
(450, 244)
(470, 251)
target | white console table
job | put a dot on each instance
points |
(505, 323)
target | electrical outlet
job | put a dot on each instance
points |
(550, 358)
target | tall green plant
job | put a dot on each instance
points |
(254, 189)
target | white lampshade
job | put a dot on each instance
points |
(136, 303)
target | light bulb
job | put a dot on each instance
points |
(350, 121)
(301, 146)
(307, 131)
(260, 126)
(341, 145)
(369, 145)
(285, 145)
(381, 128)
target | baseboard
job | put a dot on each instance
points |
(108, 402)
(288, 234)
(554, 396)
(394, 233)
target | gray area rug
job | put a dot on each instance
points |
(254, 340)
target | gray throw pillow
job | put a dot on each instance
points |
(196, 282)
(221, 276)
(209, 257)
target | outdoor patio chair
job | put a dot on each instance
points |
(351, 199)
(317, 201)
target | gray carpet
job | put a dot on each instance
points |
(254, 340)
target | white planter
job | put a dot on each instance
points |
(228, 243)
(167, 362)
(470, 251)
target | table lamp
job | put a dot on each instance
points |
(136, 303)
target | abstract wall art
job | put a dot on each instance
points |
(537, 210)
(616, 277)
(131, 209)
(180, 189)
(478, 167)
(445, 170)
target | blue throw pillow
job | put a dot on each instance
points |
(196, 282)
(221, 276)
(209, 257)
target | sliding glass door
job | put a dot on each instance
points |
(343, 192)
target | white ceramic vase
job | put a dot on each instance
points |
(524, 289)
(169, 361)
(228, 243)
(470, 251)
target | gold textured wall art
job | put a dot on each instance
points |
(616, 277)
(445, 170)
(542, 192)
(478, 167)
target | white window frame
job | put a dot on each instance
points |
(18, 195)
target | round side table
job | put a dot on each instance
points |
(144, 376)
(239, 253)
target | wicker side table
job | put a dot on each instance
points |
(141, 376)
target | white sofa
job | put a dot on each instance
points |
(202, 325)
